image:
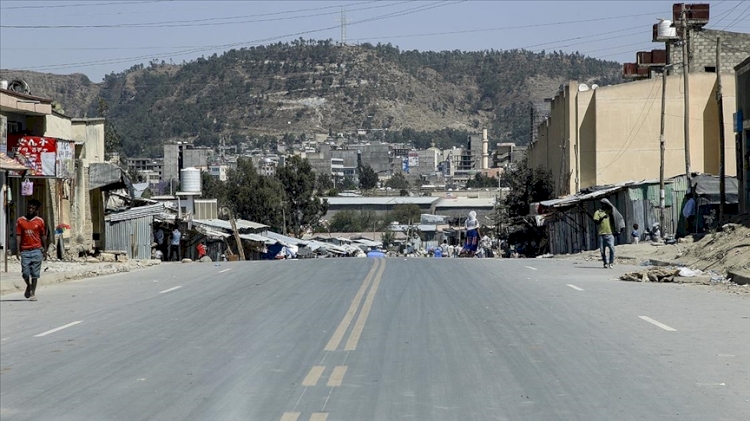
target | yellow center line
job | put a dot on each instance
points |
(319, 416)
(337, 377)
(290, 416)
(313, 376)
(338, 334)
(351, 343)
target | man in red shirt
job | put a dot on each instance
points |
(31, 238)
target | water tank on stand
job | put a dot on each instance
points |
(665, 31)
(190, 180)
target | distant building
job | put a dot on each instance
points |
(183, 155)
(218, 171)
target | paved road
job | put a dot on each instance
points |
(375, 339)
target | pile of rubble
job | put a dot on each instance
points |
(666, 275)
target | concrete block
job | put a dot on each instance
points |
(107, 257)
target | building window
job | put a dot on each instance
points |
(710, 69)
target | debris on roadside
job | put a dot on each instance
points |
(651, 275)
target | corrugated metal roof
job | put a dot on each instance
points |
(258, 238)
(382, 201)
(134, 213)
(226, 225)
(466, 202)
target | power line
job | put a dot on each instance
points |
(200, 22)
(468, 31)
(738, 19)
(57, 6)
(245, 43)
(727, 14)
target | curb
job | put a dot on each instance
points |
(738, 277)
(16, 284)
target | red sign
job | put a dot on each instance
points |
(36, 153)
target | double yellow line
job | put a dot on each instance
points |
(359, 325)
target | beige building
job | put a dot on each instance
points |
(611, 134)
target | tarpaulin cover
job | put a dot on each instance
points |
(707, 188)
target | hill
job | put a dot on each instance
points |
(319, 86)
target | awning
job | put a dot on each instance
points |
(7, 164)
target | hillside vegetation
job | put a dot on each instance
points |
(321, 87)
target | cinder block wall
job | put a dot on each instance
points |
(735, 47)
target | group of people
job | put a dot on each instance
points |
(168, 247)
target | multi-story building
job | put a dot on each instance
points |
(146, 164)
(183, 155)
(610, 134)
(218, 171)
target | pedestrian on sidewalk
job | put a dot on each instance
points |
(635, 234)
(688, 211)
(174, 245)
(608, 222)
(31, 235)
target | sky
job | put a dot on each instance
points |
(97, 37)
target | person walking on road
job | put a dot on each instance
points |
(608, 222)
(472, 234)
(31, 240)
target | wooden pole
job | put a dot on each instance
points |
(722, 145)
(686, 81)
(662, 147)
(237, 239)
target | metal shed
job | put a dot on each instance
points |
(131, 230)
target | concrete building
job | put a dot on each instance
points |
(218, 171)
(742, 132)
(63, 186)
(146, 164)
(610, 134)
(197, 157)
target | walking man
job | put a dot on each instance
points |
(608, 222)
(31, 240)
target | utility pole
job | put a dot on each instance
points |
(685, 74)
(662, 145)
(722, 155)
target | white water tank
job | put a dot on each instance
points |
(665, 30)
(191, 180)
(3, 84)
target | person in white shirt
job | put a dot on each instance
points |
(472, 234)
(174, 245)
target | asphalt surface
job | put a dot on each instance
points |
(375, 339)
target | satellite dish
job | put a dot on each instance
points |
(583, 87)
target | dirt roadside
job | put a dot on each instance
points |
(713, 258)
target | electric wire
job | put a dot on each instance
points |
(738, 19)
(244, 43)
(201, 22)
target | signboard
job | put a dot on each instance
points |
(413, 159)
(738, 120)
(3, 134)
(65, 165)
(38, 154)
